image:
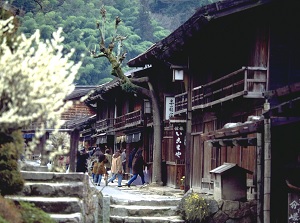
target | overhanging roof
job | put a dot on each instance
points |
(80, 91)
(175, 41)
(228, 166)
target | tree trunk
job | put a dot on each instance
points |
(157, 128)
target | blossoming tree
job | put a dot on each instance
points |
(35, 78)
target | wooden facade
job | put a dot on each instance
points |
(120, 120)
(240, 94)
(238, 101)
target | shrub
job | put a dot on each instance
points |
(22, 212)
(193, 208)
(9, 212)
(11, 180)
(32, 214)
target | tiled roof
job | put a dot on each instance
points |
(80, 91)
(175, 41)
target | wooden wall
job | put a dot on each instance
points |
(174, 169)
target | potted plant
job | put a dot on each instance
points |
(182, 182)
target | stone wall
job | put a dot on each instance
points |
(225, 211)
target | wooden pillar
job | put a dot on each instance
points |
(259, 189)
(42, 150)
(267, 171)
(74, 140)
(188, 133)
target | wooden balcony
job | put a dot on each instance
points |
(104, 125)
(247, 82)
(128, 120)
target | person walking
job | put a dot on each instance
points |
(98, 170)
(131, 156)
(82, 156)
(96, 155)
(138, 164)
(116, 168)
(123, 159)
(107, 163)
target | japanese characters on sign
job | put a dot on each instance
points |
(170, 107)
(294, 208)
(179, 135)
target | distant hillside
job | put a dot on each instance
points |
(171, 14)
(143, 21)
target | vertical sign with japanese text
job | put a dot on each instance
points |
(170, 107)
(179, 145)
(293, 208)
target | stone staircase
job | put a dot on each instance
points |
(68, 198)
(144, 207)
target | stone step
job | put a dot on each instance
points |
(59, 189)
(30, 176)
(145, 202)
(61, 205)
(145, 219)
(69, 218)
(136, 210)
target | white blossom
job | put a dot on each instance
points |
(35, 78)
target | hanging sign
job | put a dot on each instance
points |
(170, 107)
(179, 145)
(293, 207)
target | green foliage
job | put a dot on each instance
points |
(11, 180)
(32, 214)
(22, 212)
(78, 19)
(128, 87)
(141, 22)
(9, 212)
(194, 208)
(2, 220)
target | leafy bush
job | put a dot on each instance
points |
(11, 180)
(32, 214)
(9, 212)
(193, 208)
(22, 212)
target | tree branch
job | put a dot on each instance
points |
(291, 186)
(139, 80)
(99, 55)
(143, 91)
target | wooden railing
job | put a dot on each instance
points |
(104, 124)
(249, 82)
(128, 120)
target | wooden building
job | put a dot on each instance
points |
(239, 97)
(121, 121)
(79, 118)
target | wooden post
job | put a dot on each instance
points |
(267, 169)
(41, 148)
(73, 149)
(259, 160)
(188, 133)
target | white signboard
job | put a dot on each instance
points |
(170, 107)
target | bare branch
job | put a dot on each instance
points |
(139, 80)
(39, 3)
(99, 55)
(291, 186)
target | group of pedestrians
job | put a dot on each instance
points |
(136, 165)
(106, 164)
(101, 163)
(101, 166)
